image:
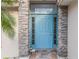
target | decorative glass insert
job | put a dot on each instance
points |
(55, 30)
(33, 30)
(43, 9)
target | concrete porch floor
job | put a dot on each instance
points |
(43, 55)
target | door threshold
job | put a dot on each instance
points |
(43, 50)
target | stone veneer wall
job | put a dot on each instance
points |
(23, 28)
(62, 30)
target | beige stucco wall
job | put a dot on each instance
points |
(73, 30)
(10, 46)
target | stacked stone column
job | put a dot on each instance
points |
(23, 27)
(62, 30)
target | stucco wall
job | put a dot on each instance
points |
(10, 46)
(73, 30)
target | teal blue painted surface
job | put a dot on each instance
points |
(44, 31)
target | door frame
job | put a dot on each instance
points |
(47, 14)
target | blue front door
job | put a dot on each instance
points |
(44, 31)
(42, 26)
(41, 31)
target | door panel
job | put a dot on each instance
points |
(42, 28)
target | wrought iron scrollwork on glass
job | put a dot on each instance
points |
(55, 31)
(33, 30)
